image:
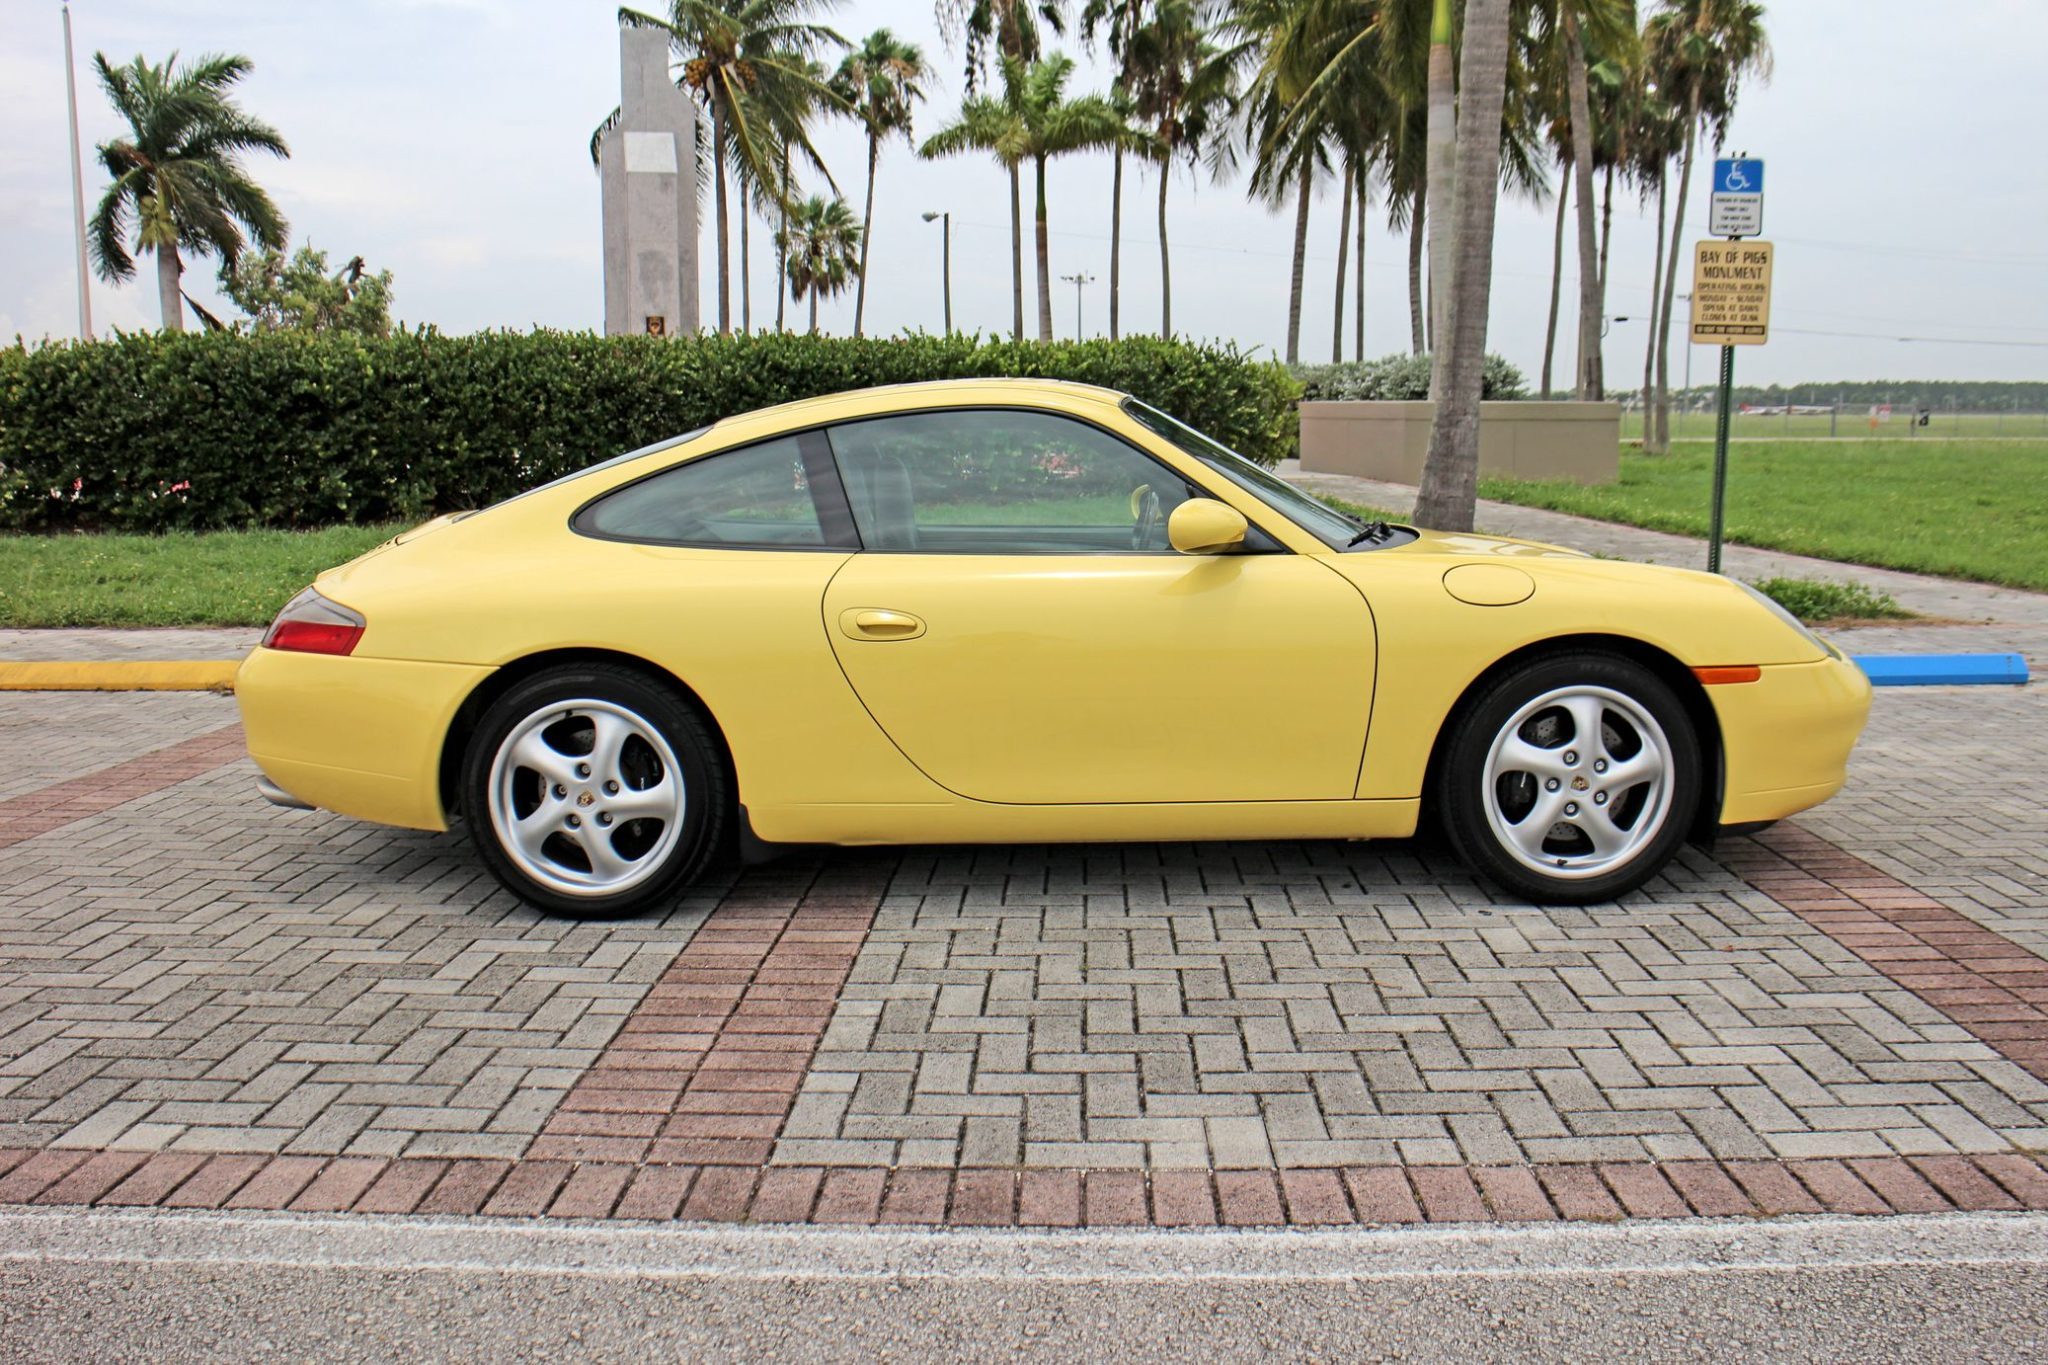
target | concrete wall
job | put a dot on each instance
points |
(1525, 440)
(648, 173)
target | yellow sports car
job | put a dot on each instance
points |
(1019, 610)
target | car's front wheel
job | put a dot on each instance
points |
(593, 791)
(1572, 778)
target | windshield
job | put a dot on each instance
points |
(1323, 522)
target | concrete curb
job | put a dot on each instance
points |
(162, 675)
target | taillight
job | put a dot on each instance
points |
(311, 624)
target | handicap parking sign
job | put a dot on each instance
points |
(1736, 208)
(1738, 175)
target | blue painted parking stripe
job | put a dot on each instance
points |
(1940, 670)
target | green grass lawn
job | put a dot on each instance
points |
(1961, 508)
(226, 578)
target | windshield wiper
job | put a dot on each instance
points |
(1373, 531)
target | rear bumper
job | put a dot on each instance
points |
(1786, 738)
(362, 737)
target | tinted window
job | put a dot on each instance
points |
(1002, 482)
(1319, 519)
(754, 496)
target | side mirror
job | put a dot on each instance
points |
(1204, 526)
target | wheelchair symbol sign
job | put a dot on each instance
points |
(1736, 176)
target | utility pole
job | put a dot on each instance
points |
(77, 186)
(946, 261)
(1078, 281)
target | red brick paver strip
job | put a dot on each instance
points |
(38, 812)
(92, 1178)
(1772, 1187)
(851, 1196)
(338, 1186)
(787, 1194)
(1117, 1199)
(277, 1184)
(1988, 984)
(592, 1192)
(1249, 1199)
(1579, 1193)
(1514, 1194)
(1448, 1194)
(155, 1178)
(1315, 1198)
(706, 1068)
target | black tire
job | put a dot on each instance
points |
(707, 793)
(1464, 793)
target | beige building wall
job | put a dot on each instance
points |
(1521, 439)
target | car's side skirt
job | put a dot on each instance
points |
(971, 822)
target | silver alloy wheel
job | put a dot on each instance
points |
(587, 797)
(1578, 782)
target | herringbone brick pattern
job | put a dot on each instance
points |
(197, 971)
(50, 737)
(1282, 1006)
(1949, 793)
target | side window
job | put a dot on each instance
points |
(757, 496)
(983, 481)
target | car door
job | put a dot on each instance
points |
(1019, 627)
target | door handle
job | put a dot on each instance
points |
(877, 623)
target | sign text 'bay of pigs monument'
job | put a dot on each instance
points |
(647, 166)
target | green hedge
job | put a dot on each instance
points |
(1400, 377)
(155, 432)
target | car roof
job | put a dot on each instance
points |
(929, 393)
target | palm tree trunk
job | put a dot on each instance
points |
(724, 258)
(1165, 262)
(169, 270)
(1419, 340)
(1116, 228)
(867, 230)
(1587, 384)
(1358, 311)
(1556, 282)
(1016, 256)
(1692, 125)
(1044, 261)
(1343, 255)
(1440, 166)
(814, 310)
(1650, 333)
(1606, 238)
(1450, 472)
(782, 243)
(746, 268)
(1308, 172)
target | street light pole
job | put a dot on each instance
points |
(1077, 281)
(77, 186)
(946, 262)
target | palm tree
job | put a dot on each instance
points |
(1035, 122)
(1700, 50)
(822, 248)
(749, 62)
(995, 125)
(1181, 86)
(1588, 31)
(177, 174)
(879, 81)
(1450, 471)
(1120, 20)
(1010, 27)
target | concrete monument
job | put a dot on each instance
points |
(647, 166)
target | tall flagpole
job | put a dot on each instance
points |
(77, 186)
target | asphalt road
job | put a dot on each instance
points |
(169, 1287)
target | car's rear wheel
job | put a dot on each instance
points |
(594, 791)
(1573, 778)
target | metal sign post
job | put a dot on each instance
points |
(1731, 303)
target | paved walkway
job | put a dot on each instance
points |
(1953, 599)
(209, 1002)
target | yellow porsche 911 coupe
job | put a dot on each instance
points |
(1020, 611)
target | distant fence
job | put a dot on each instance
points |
(1863, 421)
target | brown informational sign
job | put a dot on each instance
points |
(1731, 293)
(657, 325)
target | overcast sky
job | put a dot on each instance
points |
(446, 140)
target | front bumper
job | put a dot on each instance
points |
(1786, 738)
(358, 736)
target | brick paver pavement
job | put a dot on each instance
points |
(207, 1002)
